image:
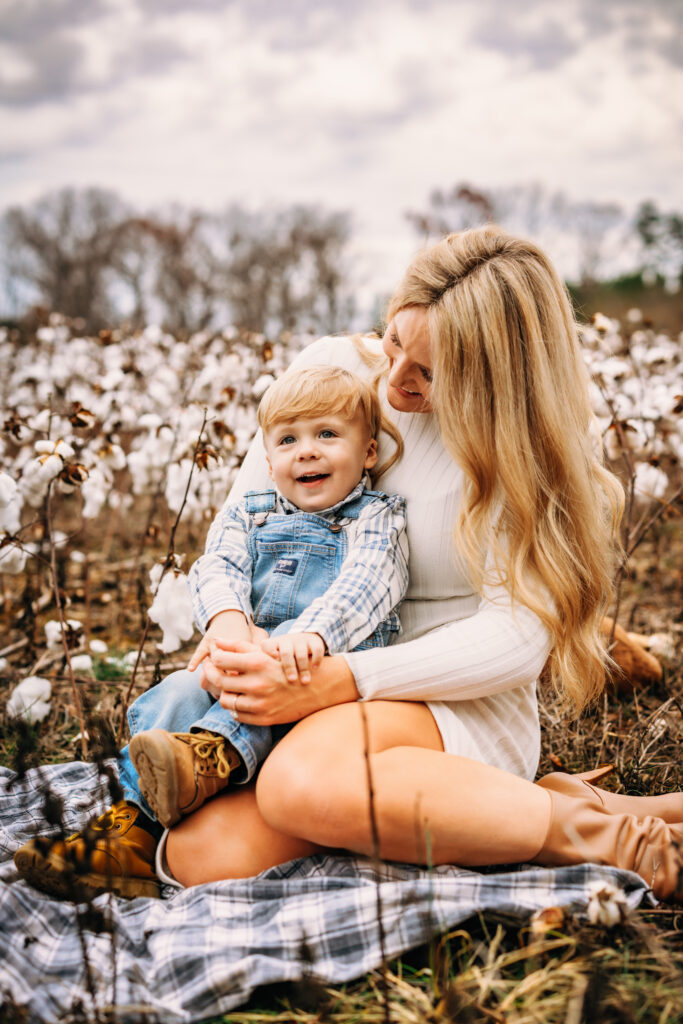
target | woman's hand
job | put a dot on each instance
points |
(252, 684)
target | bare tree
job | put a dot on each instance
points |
(63, 248)
(86, 254)
(595, 230)
(285, 269)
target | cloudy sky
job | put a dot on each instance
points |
(352, 104)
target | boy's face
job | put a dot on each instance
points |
(317, 461)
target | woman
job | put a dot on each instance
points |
(512, 522)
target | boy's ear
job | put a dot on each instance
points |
(270, 468)
(371, 455)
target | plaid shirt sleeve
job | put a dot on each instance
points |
(372, 581)
(220, 580)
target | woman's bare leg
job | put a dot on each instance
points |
(228, 838)
(312, 793)
(428, 805)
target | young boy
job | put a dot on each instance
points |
(320, 563)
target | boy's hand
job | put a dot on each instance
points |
(298, 653)
(228, 625)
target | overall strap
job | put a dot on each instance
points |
(258, 504)
(354, 508)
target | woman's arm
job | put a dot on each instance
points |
(265, 695)
(498, 648)
(494, 650)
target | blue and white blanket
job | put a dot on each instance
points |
(202, 951)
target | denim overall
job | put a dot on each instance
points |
(295, 557)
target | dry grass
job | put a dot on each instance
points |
(493, 969)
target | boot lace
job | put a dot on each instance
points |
(113, 818)
(210, 752)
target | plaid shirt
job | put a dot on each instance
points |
(370, 586)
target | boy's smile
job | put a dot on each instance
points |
(315, 462)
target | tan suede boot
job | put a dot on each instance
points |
(179, 771)
(111, 854)
(579, 833)
(668, 806)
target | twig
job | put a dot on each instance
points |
(62, 622)
(664, 507)
(374, 831)
(17, 646)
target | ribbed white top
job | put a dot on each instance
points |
(473, 658)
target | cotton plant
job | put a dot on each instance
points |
(172, 607)
(30, 699)
(12, 555)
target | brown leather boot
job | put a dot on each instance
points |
(111, 854)
(579, 833)
(179, 771)
(668, 806)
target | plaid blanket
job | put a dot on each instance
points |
(201, 951)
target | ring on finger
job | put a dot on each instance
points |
(234, 710)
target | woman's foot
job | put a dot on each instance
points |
(668, 806)
(581, 833)
(113, 853)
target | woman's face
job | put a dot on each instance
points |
(406, 344)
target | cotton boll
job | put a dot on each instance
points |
(172, 610)
(33, 484)
(94, 491)
(261, 385)
(53, 631)
(649, 481)
(10, 505)
(607, 905)
(8, 490)
(12, 558)
(30, 699)
(81, 663)
(98, 647)
(61, 448)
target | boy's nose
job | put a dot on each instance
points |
(307, 450)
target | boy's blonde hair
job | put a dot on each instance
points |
(318, 390)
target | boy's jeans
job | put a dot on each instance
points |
(179, 702)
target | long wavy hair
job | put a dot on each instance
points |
(510, 391)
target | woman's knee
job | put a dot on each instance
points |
(315, 780)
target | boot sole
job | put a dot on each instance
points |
(155, 764)
(57, 877)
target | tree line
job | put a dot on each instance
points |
(89, 255)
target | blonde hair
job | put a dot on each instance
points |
(510, 391)
(318, 390)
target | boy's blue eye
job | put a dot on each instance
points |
(287, 439)
(327, 433)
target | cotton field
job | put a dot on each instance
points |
(95, 424)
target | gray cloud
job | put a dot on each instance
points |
(55, 67)
(635, 19)
(40, 37)
(29, 21)
(147, 54)
(545, 44)
(522, 28)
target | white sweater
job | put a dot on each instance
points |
(474, 659)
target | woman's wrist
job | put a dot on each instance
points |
(334, 683)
